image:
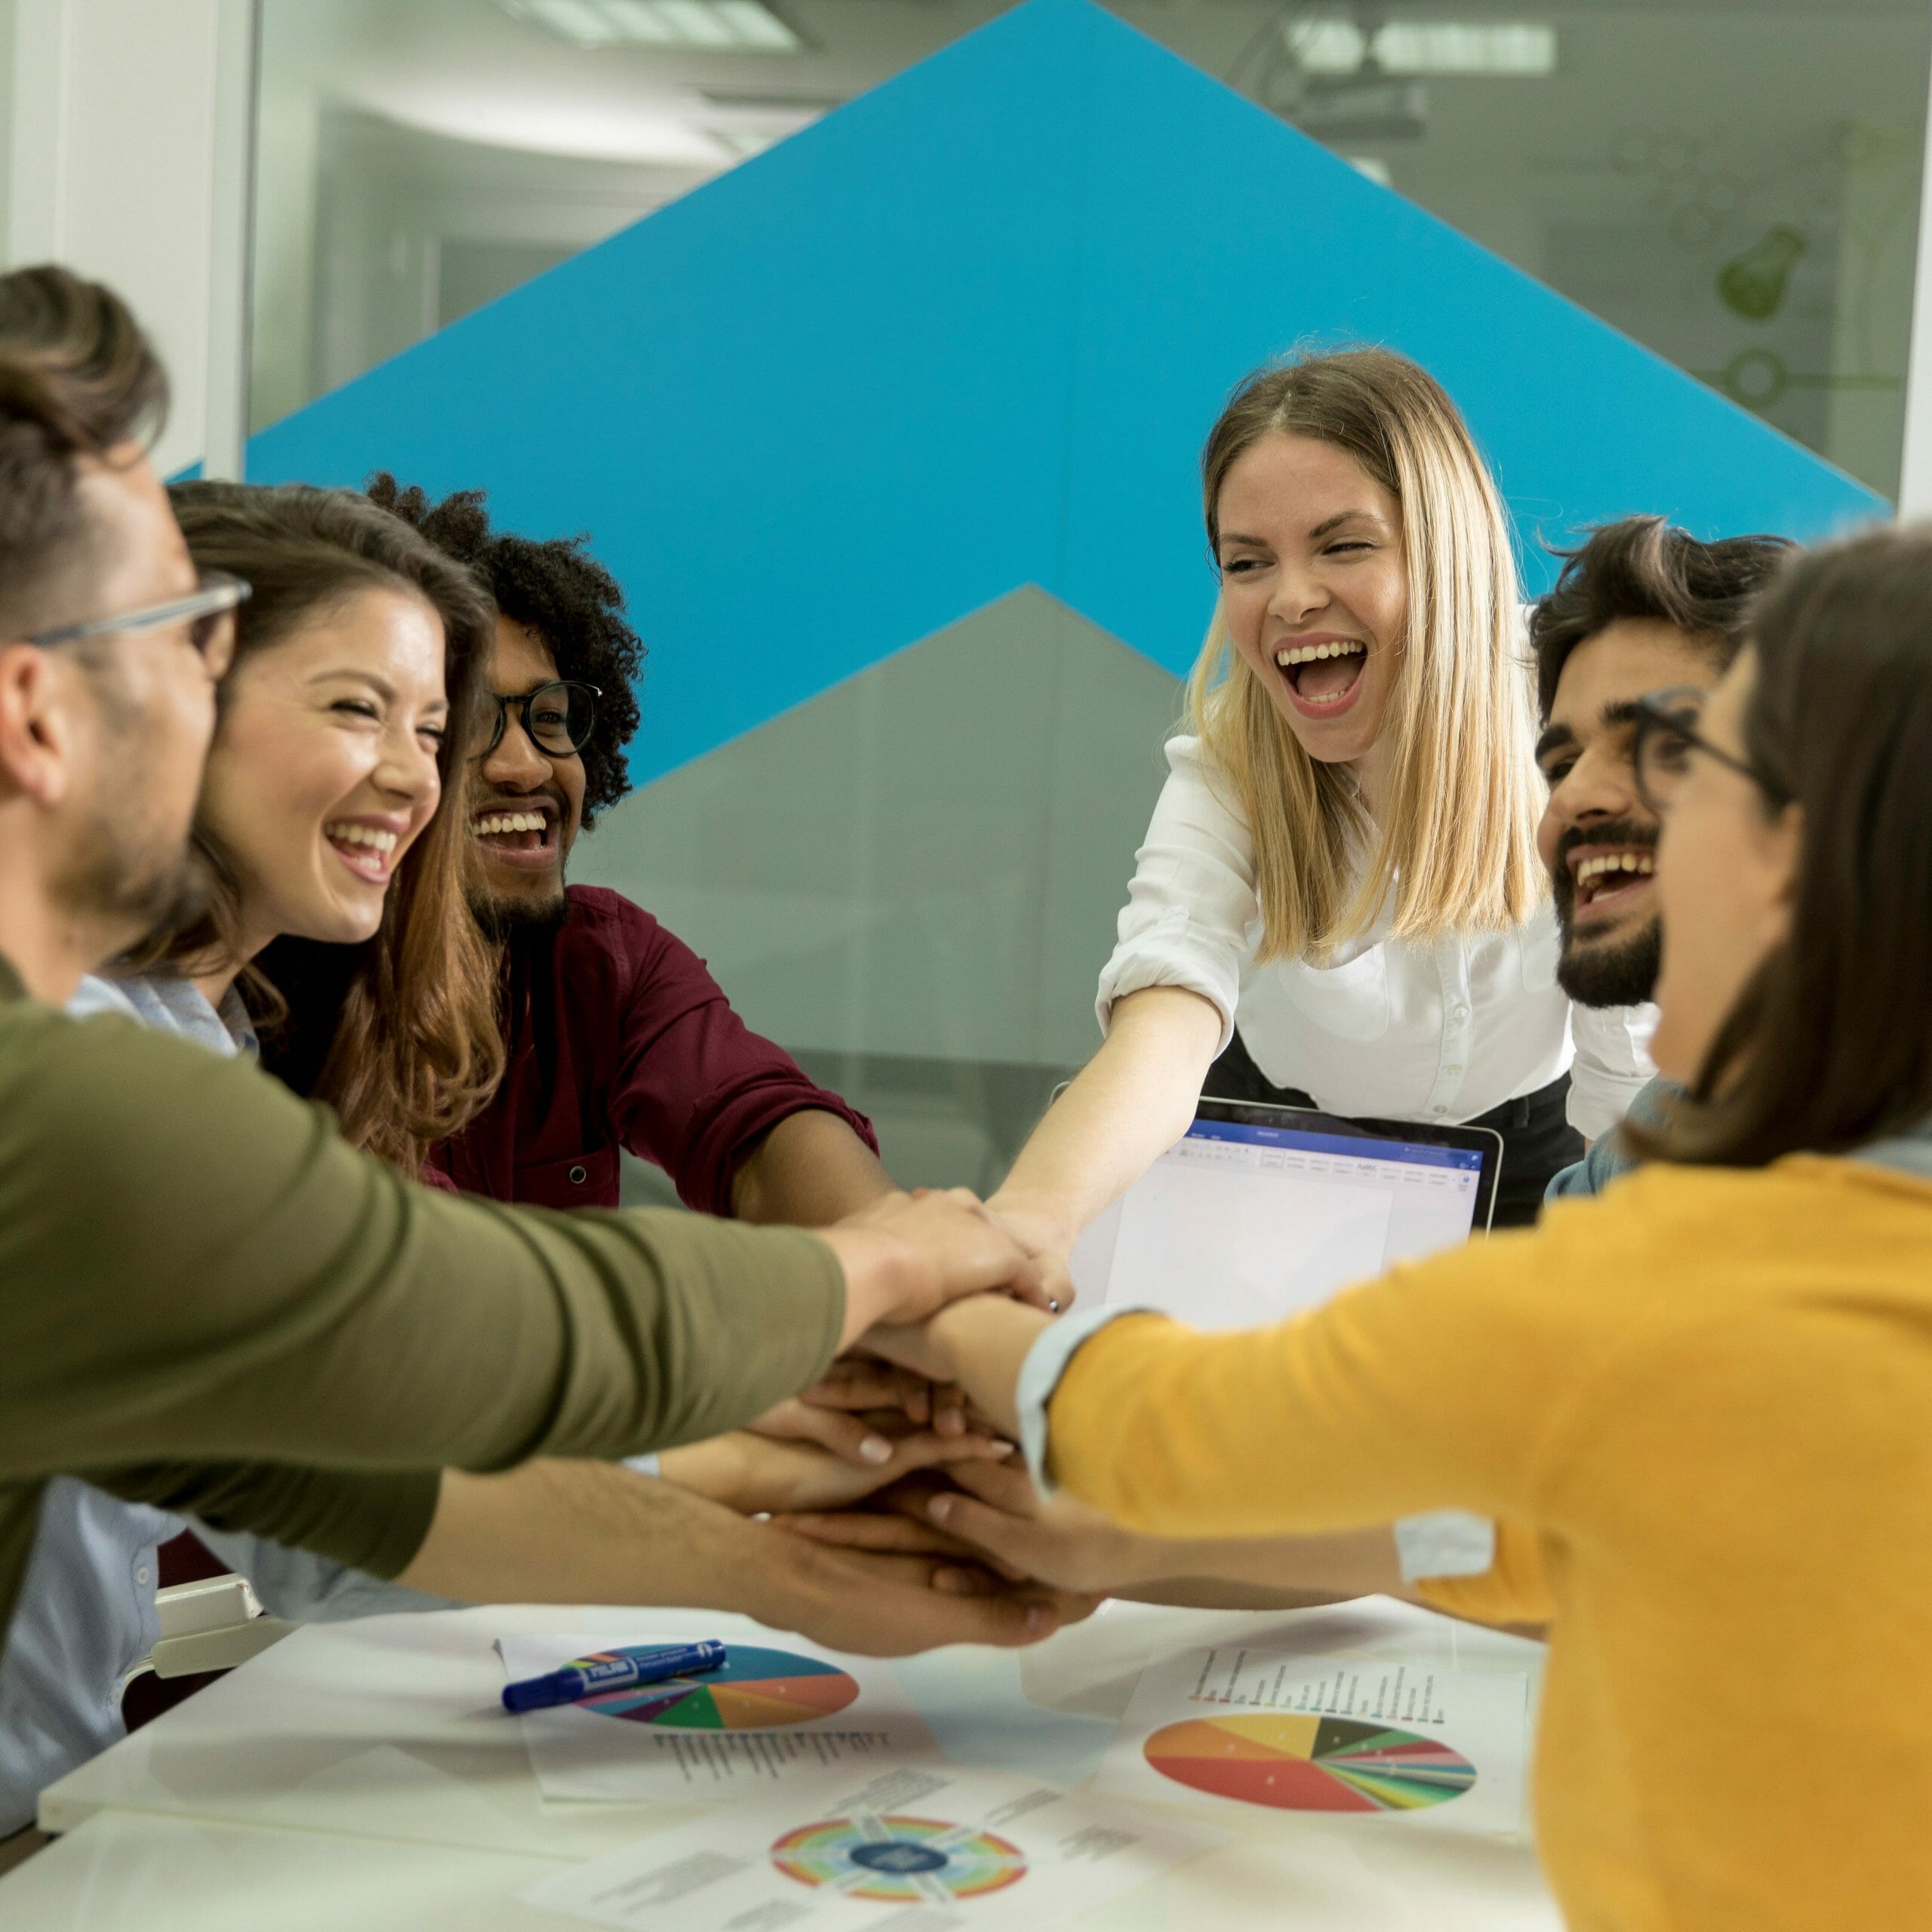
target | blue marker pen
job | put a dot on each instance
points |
(576, 1681)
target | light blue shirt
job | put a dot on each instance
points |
(1607, 1157)
(86, 1616)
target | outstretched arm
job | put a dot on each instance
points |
(1127, 1106)
(991, 1511)
(565, 1532)
(235, 1283)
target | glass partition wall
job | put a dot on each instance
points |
(911, 881)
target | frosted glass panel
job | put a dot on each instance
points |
(913, 881)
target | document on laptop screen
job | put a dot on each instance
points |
(1237, 1224)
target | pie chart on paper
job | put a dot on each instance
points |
(756, 1689)
(1308, 1763)
(899, 1860)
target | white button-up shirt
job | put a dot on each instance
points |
(1397, 1029)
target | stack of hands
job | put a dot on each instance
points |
(888, 1459)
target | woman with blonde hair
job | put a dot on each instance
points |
(1339, 900)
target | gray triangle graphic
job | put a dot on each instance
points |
(912, 881)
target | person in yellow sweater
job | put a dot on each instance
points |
(1698, 1405)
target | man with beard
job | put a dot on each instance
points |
(619, 1038)
(1641, 609)
(207, 1301)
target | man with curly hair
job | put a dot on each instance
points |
(619, 1037)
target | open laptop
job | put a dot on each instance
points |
(1260, 1211)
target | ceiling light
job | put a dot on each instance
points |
(723, 26)
(1486, 48)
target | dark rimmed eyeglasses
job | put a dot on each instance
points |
(206, 611)
(557, 718)
(1666, 734)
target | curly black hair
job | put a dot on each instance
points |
(556, 589)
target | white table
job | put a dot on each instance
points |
(134, 1872)
(388, 1732)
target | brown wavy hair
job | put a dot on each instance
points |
(399, 1034)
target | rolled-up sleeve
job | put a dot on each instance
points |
(694, 1087)
(1613, 1064)
(1192, 915)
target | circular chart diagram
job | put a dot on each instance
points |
(899, 1861)
(1297, 1763)
(756, 1689)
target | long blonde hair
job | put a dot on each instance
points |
(1456, 843)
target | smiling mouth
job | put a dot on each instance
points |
(1603, 881)
(367, 850)
(1322, 677)
(527, 835)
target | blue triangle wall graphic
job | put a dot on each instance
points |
(968, 333)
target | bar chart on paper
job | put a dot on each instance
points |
(1298, 1763)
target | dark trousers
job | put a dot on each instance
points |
(1537, 1139)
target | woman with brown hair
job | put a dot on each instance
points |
(331, 825)
(1696, 1405)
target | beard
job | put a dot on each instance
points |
(505, 921)
(1620, 972)
(1624, 974)
(118, 881)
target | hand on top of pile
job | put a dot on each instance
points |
(908, 1255)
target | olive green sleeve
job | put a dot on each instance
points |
(194, 1269)
(373, 1523)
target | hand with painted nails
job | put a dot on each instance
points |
(833, 1413)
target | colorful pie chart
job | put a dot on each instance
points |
(899, 1860)
(756, 1689)
(1298, 1763)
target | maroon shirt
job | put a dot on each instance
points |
(619, 1038)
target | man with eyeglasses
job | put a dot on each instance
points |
(207, 1301)
(1643, 616)
(619, 1038)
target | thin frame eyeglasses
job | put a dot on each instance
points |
(204, 611)
(1666, 734)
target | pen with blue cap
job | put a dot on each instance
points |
(595, 1676)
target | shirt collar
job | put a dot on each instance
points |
(12, 986)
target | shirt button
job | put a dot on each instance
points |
(1460, 1012)
(143, 1576)
(578, 1176)
(1438, 1110)
(1453, 1072)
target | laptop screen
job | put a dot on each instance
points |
(1255, 1215)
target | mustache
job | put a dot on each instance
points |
(1618, 831)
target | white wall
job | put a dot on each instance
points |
(127, 160)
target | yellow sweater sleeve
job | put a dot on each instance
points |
(1435, 1386)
